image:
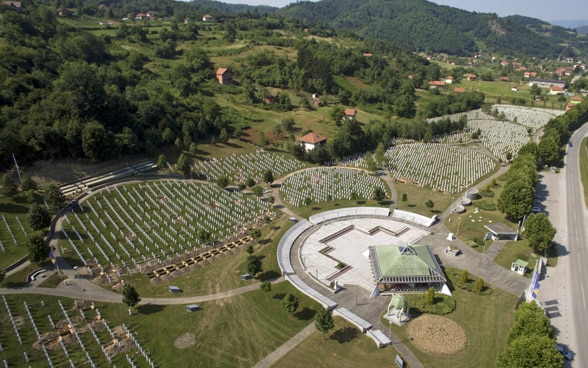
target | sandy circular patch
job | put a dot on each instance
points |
(185, 341)
(437, 335)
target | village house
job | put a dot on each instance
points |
(436, 84)
(449, 79)
(207, 18)
(350, 113)
(504, 78)
(312, 140)
(14, 5)
(547, 83)
(471, 77)
(224, 76)
(459, 90)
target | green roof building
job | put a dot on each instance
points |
(405, 268)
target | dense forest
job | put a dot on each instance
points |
(421, 25)
(67, 91)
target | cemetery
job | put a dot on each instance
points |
(66, 333)
(326, 184)
(238, 168)
(14, 232)
(161, 228)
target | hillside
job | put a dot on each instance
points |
(436, 28)
(582, 30)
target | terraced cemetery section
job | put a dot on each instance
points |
(441, 167)
(14, 234)
(238, 168)
(143, 226)
(330, 184)
(65, 334)
(531, 117)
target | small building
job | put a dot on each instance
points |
(350, 113)
(405, 268)
(449, 79)
(312, 140)
(193, 308)
(270, 99)
(66, 12)
(576, 100)
(471, 77)
(556, 90)
(547, 83)
(504, 78)
(519, 266)
(514, 89)
(246, 276)
(459, 90)
(500, 231)
(224, 76)
(174, 289)
(368, 54)
(207, 18)
(436, 84)
(14, 5)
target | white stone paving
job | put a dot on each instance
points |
(350, 247)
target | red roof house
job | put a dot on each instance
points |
(224, 76)
(350, 113)
(312, 140)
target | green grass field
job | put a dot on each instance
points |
(416, 198)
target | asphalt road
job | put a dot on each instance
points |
(577, 247)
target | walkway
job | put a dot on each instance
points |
(280, 352)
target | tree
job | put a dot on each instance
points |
(9, 188)
(271, 199)
(379, 194)
(337, 113)
(266, 287)
(323, 320)
(161, 162)
(268, 176)
(254, 265)
(222, 181)
(130, 295)
(183, 165)
(430, 297)
(2, 275)
(249, 249)
(27, 183)
(38, 248)
(290, 303)
(516, 198)
(257, 191)
(539, 231)
(370, 162)
(430, 204)
(223, 136)
(39, 217)
(380, 155)
(250, 182)
(255, 233)
(479, 285)
(530, 320)
(548, 149)
(203, 236)
(307, 201)
(54, 196)
(404, 198)
(530, 352)
(465, 276)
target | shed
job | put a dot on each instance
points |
(500, 231)
(193, 308)
(246, 277)
(519, 266)
(174, 289)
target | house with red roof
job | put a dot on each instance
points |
(312, 140)
(449, 79)
(556, 90)
(436, 84)
(350, 113)
(224, 76)
(459, 90)
(14, 5)
(207, 18)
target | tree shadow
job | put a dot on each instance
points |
(345, 334)
(264, 241)
(316, 208)
(279, 296)
(411, 205)
(268, 275)
(150, 308)
(305, 315)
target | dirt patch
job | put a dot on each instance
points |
(437, 335)
(185, 341)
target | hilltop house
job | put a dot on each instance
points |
(14, 5)
(436, 84)
(207, 18)
(224, 76)
(312, 140)
(350, 113)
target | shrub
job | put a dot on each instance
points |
(485, 205)
(443, 304)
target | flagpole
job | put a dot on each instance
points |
(17, 168)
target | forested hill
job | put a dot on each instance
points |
(421, 25)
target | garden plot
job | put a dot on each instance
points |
(14, 234)
(238, 168)
(328, 184)
(531, 117)
(65, 334)
(441, 167)
(128, 227)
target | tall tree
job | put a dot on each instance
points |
(530, 320)
(254, 265)
(530, 352)
(130, 296)
(38, 248)
(380, 156)
(268, 176)
(39, 217)
(266, 287)
(9, 188)
(539, 231)
(183, 165)
(54, 196)
(323, 320)
(370, 162)
(27, 183)
(516, 198)
(290, 303)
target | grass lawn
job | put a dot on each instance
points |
(223, 274)
(517, 250)
(417, 197)
(486, 320)
(52, 281)
(344, 346)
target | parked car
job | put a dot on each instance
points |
(535, 209)
(567, 354)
